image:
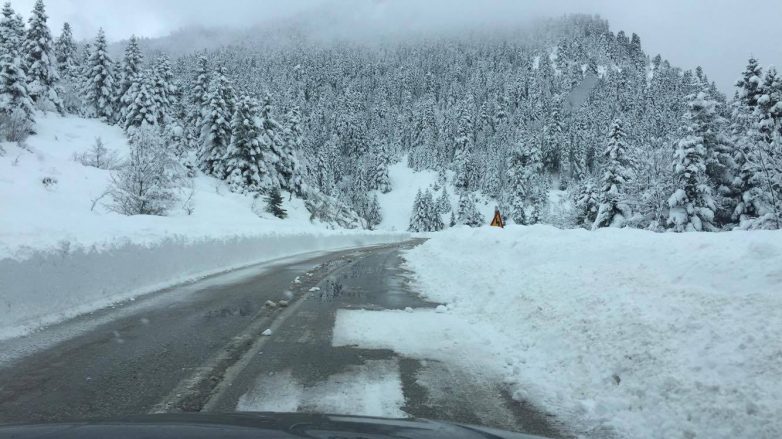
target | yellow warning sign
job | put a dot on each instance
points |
(497, 221)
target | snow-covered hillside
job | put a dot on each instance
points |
(652, 335)
(62, 251)
(397, 205)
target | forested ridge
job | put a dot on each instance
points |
(564, 104)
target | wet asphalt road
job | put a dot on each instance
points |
(199, 347)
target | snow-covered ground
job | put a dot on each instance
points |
(651, 335)
(61, 256)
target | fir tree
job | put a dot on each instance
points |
(131, 68)
(692, 205)
(468, 212)
(374, 215)
(526, 183)
(99, 81)
(199, 92)
(246, 160)
(16, 106)
(613, 211)
(425, 217)
(274, 204)
(216, 127)
(444, 203)
(141, 107)
(163, 89)
(65, 52)
(40, 66)
(288, 165)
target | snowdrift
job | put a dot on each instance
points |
(50, 286)
(62, 252)
(649, 335)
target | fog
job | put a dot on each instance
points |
(717, 34)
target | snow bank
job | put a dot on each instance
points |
(53, 285)
(653, 335)
(62, 254)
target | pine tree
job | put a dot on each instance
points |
(463, 148)
(273, 134)
(288, 165)
(444, 203)
(131, 68)
(99, 81)
(65, 52)
(274, 204)
(16, 106)
(749, 201)
(324, 173)
(199, 92)
(613, 211)
(247, 156)
(40, 66)
(374, 215)
(526, 184)
(216, 127)
(425, 217)
(692, 205)
(163, 89)
(141, 107)
(468, 212)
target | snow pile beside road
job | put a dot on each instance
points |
(653, 335)
(62, 254)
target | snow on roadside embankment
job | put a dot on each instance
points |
(652, 335)
(62, 252)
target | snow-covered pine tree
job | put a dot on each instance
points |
(288, 166)
(199, 92)
(374, 216)
(433, 222)
(417, 217)
(766, 156)
(163, 89)
(468, 212)
(274, 136)
(131, 68)
(749, 195)
(613, 211)
(462, 150)
(40, 62)
(65, 52)
(274, 203)
(323, 172)
(16, 106)
(692, 205)
(587, 202)
(526, 184)
(246, 164)
(216, 126)
(100, 81)
(141, 106)
(444, 202)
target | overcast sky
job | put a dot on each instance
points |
(717, 34)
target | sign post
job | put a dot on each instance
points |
(497, 221)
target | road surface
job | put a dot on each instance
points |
(200, 347)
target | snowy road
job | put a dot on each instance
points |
(200, 347)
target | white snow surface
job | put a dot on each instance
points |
(643, 334)
(651, 335)
(60, 258)
(371, 389)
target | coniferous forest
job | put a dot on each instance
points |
(566, 105)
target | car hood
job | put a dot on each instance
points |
(256, 426)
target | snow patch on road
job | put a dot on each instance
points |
(371, 389)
